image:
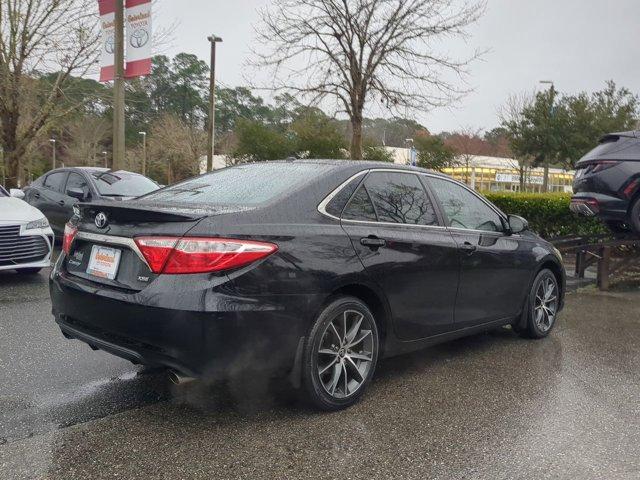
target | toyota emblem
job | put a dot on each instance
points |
(101, 220)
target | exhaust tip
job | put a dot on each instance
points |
(178, 379)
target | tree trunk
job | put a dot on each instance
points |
(13, 172)
(545, 178)
(356, 138)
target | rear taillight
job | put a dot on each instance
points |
(200, 255)
(600, 165)
(69, 234)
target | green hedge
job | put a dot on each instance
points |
(548, 213)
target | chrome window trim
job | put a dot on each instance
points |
(328, 198)
(112, 240)
(323, 204)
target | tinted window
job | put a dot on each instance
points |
(400, 198)
(360, 207)
(464, 209)
(251, 184)
(123, 184)
(337, 203)
(55, 181)
(77, 182)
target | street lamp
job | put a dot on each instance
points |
(105, 159)
(53, 150)
(144, 152)
(213, 39)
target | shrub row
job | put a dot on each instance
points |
(548, 213)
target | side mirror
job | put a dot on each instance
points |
(16, 193)
(77, 193)
(517, 224)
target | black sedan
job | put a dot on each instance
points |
(311, 269)
(55, 193)
(607, 182)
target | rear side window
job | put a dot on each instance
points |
(251, 184)
(400, 198)
(55, 181)
(360, 207)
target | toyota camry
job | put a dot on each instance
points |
(312, 270)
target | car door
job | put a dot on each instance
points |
(494, 266)
(395, 229)
(51, 200)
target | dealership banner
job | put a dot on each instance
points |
(107, 10)
(138, 24)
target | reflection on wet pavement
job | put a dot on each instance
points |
(491, 406)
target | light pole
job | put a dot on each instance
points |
(545, 178)
(213, 39)
(144, 152)
(105, 159)
(53, 151)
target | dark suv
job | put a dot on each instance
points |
(607, 180)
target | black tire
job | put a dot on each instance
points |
(339, 360)
(634, 217)
(29, 271)
(539, 321)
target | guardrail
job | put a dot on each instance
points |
(590, 249)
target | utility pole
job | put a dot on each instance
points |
(144, 152)
(105, 159)
(53, 153)
(118, 89)
(212, 103)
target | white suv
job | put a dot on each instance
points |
(26, 240)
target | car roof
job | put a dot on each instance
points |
(355, 165)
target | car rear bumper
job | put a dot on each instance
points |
(606, 207)
(242, 335)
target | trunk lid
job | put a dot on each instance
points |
(106, 231)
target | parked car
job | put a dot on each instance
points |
(313, 269)
(26, 240)
(607, 180)
(57, 191)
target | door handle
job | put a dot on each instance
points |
(36, 195)
(61, 203)
(468, 247)
(373, 242)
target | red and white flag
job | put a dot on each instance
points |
(107, 39)
(138, 23)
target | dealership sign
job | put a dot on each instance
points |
(138, 38)
(511, 178)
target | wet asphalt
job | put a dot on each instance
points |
(492, 406)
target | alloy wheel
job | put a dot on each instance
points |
(546, 304)
(345, 354)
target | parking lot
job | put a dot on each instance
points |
(490, 406)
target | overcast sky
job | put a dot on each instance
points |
(579, 44)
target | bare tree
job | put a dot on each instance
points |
(39, 37)
(510, 115)
(174, 149)
(353, 51)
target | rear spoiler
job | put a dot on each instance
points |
(613, 137)
(142, 212)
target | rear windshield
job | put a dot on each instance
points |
(622, 148)
(120, 184)
(251, 184)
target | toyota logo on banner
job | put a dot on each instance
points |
(139, 38)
